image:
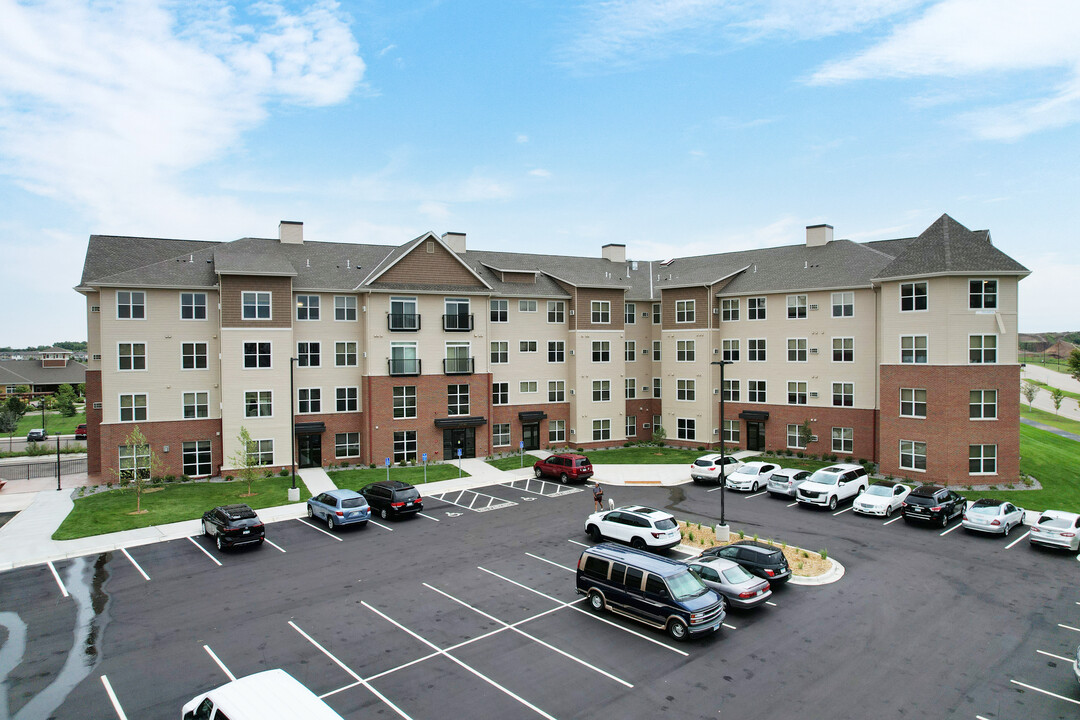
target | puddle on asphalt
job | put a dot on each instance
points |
(85, 582)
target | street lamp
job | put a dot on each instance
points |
(723, 464)
(292, 427)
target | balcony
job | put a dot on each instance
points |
(458, 366)
(403, 322)
(403, 366)
(457, 323)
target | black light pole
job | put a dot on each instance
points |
(292, 422)
(57, 462)
(723, 464)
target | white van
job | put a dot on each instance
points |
(262, 696)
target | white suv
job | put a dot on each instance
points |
(640, 526)
(751, 476)
(707, 467)
(829, 485)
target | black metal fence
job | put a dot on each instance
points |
(41, 469)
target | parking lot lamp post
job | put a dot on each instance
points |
(294, 493)
(723, 465)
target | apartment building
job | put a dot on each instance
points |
(900, 351)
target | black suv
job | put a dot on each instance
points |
(757, 558)
(233, 525)
(392, 497)
(932, 503)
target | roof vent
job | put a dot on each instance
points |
(291, 232)
(818, 235)
(667, 262)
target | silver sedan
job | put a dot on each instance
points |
(739, 588)
(786, 481)
(992, 516)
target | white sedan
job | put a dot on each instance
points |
(881, 498)
(992, 516)
(1057, 528)
(751, 476)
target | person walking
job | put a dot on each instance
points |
(598, 497)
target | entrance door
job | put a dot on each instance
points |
(309, 448)
(454, 438)
(530, 435)
(755, 435)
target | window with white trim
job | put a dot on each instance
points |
(601, 429)
(556, 431)
(755, 308)
(843, 439)
(982, 349)
(730, 350)
(913, 296)
(796, 393)
(309, 400)
(685, 350)
(130, 305)
(913, 402)
(656, 350)
(601, 311)
(347, 444)
(198, 459)
(528, 386)
(601, 390)
(913, 349)
(133, 407)
(796, 350)
(134, 462)
(404, 314)
(656, 317)
(796, 307)
(755, 350)
(686, 428)
(196, 405)
(631, 351)
(500, 393)
(601, 351)
(527, 346)
(500, 352)
(404, 446)
(685, 311)
(307, 307)
(192, 307)
(630, 314)
(843, 394)
(843, 304)
(556, 351)
(556, 311)
(260, 452)
(631, 388)
(729, 309)
(500, 311)
(982, 459)
(500, 434)
(256, 305)
(257, 355)
(527, 306)
(345, 354)
(345, 308)
(347, 399)
(843, 349)
(912, 455)
(631, 426)
(731, 432)
(795, 437)
(258, 403)
(193, 356)
(132, 356)
(982, 404)
(457, 399)
(686, 389)
(755, 391)
(556, 391)
(404, 402)
(982, 294)
(308, 354)
(656, 387)
(730, 391)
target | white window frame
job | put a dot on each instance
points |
(731, 390)
(194, 306)
(601, 429)
(259, 403)
(500, 311)
(631, 388)
(915, 350)
(731, 432)
(253, 300)
(201, 450)
(685, 428)
(914, 285)
(845, 302)
(601, 391)
(983, 458)
(199, 410)
(262, 450)
(133, 461)
(845, 391)
(685, 312)
(500, 434)
(686, 351)
(845, 436)
(631, 426)
(912, 448)
(558, 349)
(913, 403)
(657, 314)
(195, 356)
(629, 313)
(758, 311)
(556, 391)
(347, 401)
(500, 393)
(556, 431)
(132, 356)
(344, 306)
(525, 307)
(353, 353)
(556, 309)
(257, 355)
(455, 409)
(601, 351)
(730, 350)
(404, 445)
(801, 350)
(729, 309)
(657, 350)
(843, 350)
(983, 405)
(131, 304)
(403, 302)
(528, 387)
(630, 351)
(686, 389)
(307, 307)
(756, 389)
(305, 356)
(794, 437)
(312, 398)
(500, 352)
(982, 350)
(982, 294)
(134, 407)
(756, 354)
(600, 312)
(800, 392)
(798, 306)
(349, 447)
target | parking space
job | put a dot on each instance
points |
(476, 615)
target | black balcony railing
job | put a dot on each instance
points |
(403, 322)
(458, 366)
(401, 366)
(457, 323)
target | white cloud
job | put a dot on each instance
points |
(106, 105)
(540, 173)
(523, 138)
(1040, 305)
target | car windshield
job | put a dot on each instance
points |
(703, 463)
(879, 490)
(1053, 522)
(665, 524)
(824, 477)
(686, 585)
(746, 470)
(353, 502)
(984, 509)
(583, 462)
(737, 575)
(407, 494)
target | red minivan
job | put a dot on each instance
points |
(565, 466)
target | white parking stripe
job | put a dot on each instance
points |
(946, 532)
(770, 602)
(305, 522)
(793, 504)
(204, 551)
(220, 664)
(550, 562)
(729, 627)
(1045, 692)
(1056, 657)
(428, 516)
(141, 572)
(757, 494)
(453, 659)
(530, 637)
(272, 543)
(1069, 627)
(112, 698)
(1018, 540)
(346, 668)
(840, 512)
(379, 524)
(578, 542)
(890, 522)
(56, 576)
(573, 606)
(714, 489)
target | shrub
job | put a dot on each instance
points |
(741, 534)
(228, 478)
(372, 466)
(691, 537)
(804, 553)
(284, 472)
(783, 546)
(799, 565)
(701, 448)
(801, 454)
(823, 553)
(626, 444)
(755, 537)
(268, 473)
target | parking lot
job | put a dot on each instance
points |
(470, 610)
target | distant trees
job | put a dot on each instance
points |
(1057, 395)
(1029, 391)
(9, 422)
(1074, 364)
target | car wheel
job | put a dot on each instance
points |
(594, 533)
(310, 512)
(220, 545)
(677, 629)
(562, 478)
(539, 473)
(754, 487)
(888, 511)
(637, 543)
(383, 514)
(1008, 528)
(329, 522)
(206, 528)
(596, 600)
(944, 519)
(832, 503)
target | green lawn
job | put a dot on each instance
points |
(110, 511)
(1049, 388)
(1048, 418)
(1052, 461)
(645, 456)
(1061, 366)
(54, 423)
(356, 479)
(513, 463)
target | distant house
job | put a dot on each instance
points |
(53, 368)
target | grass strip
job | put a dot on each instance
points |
(358, 478)
(1050, 459)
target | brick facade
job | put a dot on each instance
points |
(822, 421)
(336, 423)
(172, 434)
(93, 422)
(509, 414)
(947, 430)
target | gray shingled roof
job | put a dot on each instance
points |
(949, 247)
(109, 254)
(30, 372)
(252, 256)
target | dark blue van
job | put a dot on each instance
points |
(648, 588)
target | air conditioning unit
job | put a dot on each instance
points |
(716, 311)
(813, 351)
(645, 314)
(813, 438)
(716, 431)
(571, 352)
(97, 406)
(716, 351)
(97, 356)
(571, 391)
(813, 394)
(572, 431)
(645, 426)
(813, 307)
(95, 308)
(716, 391)
(645, 351)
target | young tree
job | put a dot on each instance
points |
(9, 422)
(1029, 391)
(16, 405)
(1057, 395)
(1074, 364)
(138, 465)
(659, 434)
(65, 400)
(806, 433)
(246, 459)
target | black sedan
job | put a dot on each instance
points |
(757, 558)
(233, 525)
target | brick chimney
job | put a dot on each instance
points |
(291, 232)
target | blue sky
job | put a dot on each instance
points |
(675, 127)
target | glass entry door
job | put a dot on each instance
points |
(755, 435)
(454, 438)
(309, 449)
(530, 434)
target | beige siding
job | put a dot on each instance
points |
(237, 380)
(328, 332)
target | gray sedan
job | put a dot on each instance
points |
(993, 516)
(786, 481)
(739, 588)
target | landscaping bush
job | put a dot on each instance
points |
(284, 472)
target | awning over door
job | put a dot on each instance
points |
(306, 428)
(456, 422)
(755, 415)
(530, 416)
